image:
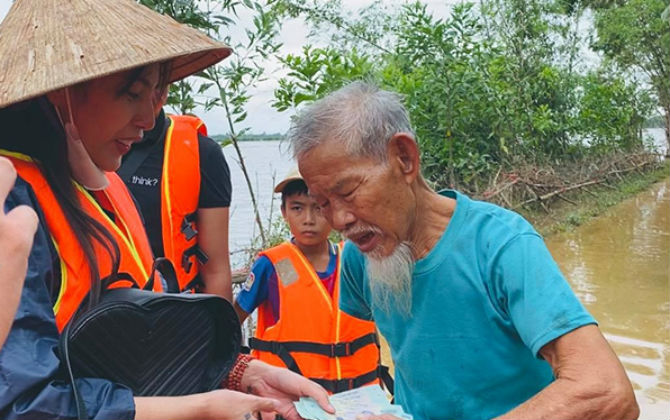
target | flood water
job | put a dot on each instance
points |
(619, 265)
(268, 162)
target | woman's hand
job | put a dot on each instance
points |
(233, 405)
(220, 404)
(284, 386)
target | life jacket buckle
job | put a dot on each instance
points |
(276, 347)
(340, 349)
(186, 263)
(344, 384)
(188, 230)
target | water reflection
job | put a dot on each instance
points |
(267, 163)
(619, 266)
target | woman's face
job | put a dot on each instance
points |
(111, 113)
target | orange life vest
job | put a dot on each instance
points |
(313, 336)
(180, 191)
(128, 231)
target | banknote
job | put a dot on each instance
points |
(351, 404)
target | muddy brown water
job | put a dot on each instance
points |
(619, 264)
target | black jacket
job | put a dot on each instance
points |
(32, 380)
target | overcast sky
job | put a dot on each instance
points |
(261, 116)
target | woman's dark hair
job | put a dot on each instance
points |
(33, 128)
(163, 77)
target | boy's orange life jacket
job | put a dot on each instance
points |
(180, 191)
(313, 336)
(128, 231)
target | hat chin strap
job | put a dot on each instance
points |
(84, 170)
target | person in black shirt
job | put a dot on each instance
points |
(142, 170)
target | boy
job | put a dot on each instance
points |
(295, 286)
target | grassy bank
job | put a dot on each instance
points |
(584, 205)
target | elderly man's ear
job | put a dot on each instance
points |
(403, 151)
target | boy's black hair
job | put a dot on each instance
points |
(294, 187)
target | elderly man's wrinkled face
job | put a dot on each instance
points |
(367, 201)
(373, 204)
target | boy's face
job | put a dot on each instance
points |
(305, 220)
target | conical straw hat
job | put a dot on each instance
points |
(50, 44)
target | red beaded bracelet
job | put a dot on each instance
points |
(234, 379)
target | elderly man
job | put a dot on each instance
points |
(480, 321)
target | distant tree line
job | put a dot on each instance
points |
(494, 85)
(497, 83)
(222, 138)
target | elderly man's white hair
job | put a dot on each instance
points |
(360, 116)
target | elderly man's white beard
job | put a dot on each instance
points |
(391, 279)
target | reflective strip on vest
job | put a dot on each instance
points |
(180, 192)
(307, 313)
(135, 252)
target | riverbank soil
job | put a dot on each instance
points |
(578, 206)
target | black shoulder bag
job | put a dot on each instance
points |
(154, 343)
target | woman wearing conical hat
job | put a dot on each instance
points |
(77, 89)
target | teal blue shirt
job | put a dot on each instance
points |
(485, 300)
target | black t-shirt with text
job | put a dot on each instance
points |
(145, 182)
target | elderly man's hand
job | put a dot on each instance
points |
(17, 229)
(283, 385)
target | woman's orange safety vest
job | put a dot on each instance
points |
(128, 231)
(180, 192)
(312, 336)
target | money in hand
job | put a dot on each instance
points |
(349, 405)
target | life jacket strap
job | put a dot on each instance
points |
(387, 379)
(277, 348)
(341, 349)
(345, 384)
(167, 274)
